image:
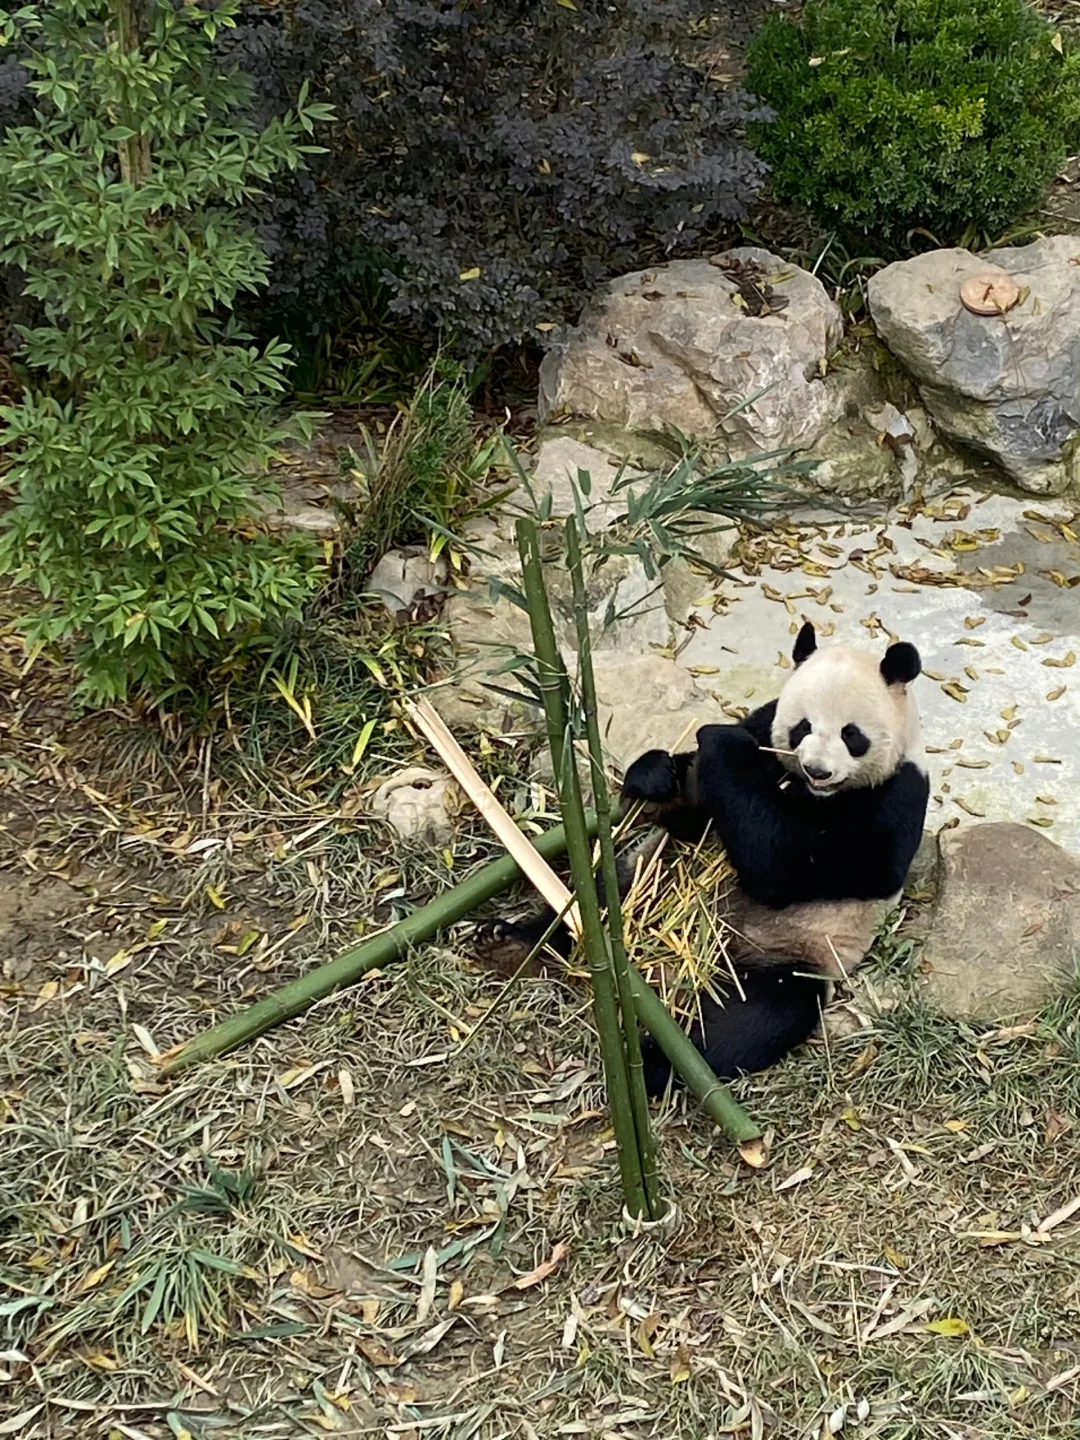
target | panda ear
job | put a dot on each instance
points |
(901, 664)
(805, 644)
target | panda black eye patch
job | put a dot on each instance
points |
(856, 742)
(798, 733)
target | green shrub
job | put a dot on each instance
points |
(901, 114)
(138, 454)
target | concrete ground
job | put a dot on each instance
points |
(987, 587)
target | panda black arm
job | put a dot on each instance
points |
(873, 861)
(768, 844)
(657, 778)
(663, 783)
(667, 784)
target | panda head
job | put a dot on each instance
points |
(849, 719)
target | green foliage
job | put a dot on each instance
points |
(425, 477)
(895, 115)
(138, 455)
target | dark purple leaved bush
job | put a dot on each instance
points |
(545, 144)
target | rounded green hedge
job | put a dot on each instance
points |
(895, 115)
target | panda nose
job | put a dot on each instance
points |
(815, 772)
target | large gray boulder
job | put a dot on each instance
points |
(648, 702)
(1008, 385)
(681, 345)
(1004, 937)
(486, 627)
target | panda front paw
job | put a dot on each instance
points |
(653, 779)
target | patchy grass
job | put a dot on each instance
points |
(399, 1215)
(349, 1227)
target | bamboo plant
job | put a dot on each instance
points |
(639, 1100)
(555, 694)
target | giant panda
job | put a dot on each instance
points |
(819, 799)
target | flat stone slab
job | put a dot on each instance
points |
(987, 587)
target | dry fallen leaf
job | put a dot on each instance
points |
(541, 1273)
(680, 1366)
(798, 1177)
(48, 991)
(968, 809)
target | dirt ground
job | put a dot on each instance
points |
(398, 1215)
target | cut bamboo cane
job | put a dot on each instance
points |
(294, 998)
(435, 730)
(639, 1099)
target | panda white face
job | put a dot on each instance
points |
(849, 719)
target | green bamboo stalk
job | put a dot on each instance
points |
(383, 949)
(554, 690)
(355, 963)
(715, 1097)
(639, 1099)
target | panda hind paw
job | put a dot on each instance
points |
(501, 945)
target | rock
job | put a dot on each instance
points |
(648, 702)
(1005, 933)
(625, 447)
(1009, 385)
(882, 445)
(404, 577)
(853, 464)
(685, 582)
(559, 461)
(487, 630)
(925, 867)
(320, 482)
(677, 346)
(417, 803)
